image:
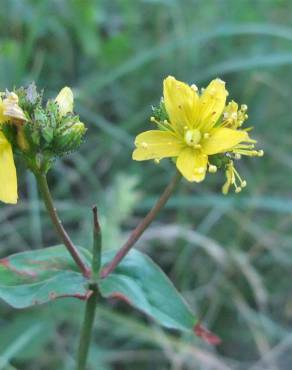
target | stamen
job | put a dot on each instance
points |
(244, 146)
(164, 126)
(194, 87)
(233, 178)
(242, 182)
(212, 168)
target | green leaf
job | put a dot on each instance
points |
(39, 276)
(141, 283)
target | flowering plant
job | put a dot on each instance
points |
(199, 132)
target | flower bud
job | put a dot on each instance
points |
(65, 101)
(46, 131)
(70, 137)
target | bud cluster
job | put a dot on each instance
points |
(42, 131)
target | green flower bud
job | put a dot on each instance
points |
(40, 132)
(65, 101)
(70, 137)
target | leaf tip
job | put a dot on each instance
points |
(206, 335)
(4, 262)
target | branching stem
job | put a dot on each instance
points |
(138, 231)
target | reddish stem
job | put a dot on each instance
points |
(45, 191)
(138, 231)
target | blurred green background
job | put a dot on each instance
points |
(230, 256)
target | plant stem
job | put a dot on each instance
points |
(45, 191)
(97, 245)
(89, 316)
(138, 231)
(86, 331)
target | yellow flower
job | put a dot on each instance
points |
(65, 101)
(198, 127)
(9, 111)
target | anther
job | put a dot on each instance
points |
(243, 184)
(152, 119)
(157, 161)
(212, 168)
(237, 156)
(194, 87)
(261, 153)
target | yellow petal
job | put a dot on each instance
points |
(65, 101)
(8, 180)
(222, 140)
(192, 164)
(212, 103)
(155, 144)
(180, 102)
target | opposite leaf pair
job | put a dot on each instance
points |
(39, 276)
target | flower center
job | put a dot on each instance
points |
(193, 137)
